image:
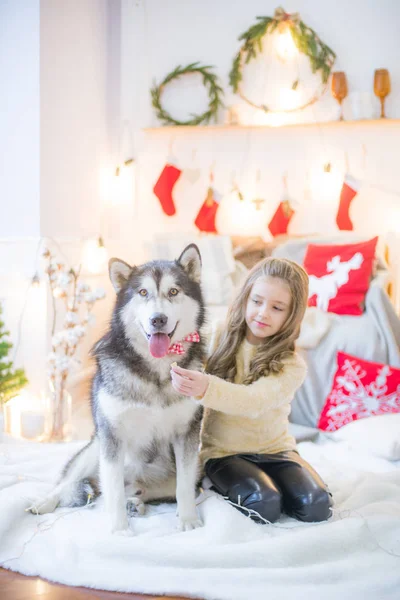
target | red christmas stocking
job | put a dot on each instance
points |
(205, 220)
(281, 219)
(349, 190)
(163, 188)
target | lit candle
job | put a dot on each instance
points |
(25, 416)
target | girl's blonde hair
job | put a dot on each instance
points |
(273, 349)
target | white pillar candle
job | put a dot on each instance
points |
(32, 424)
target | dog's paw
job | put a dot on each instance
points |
(135, 507)
(189, 524)
(43, 506)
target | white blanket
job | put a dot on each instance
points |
(355, 555)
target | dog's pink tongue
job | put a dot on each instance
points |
(159, 344)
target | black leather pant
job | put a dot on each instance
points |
(270, 484)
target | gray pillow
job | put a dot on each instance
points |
(301, 433)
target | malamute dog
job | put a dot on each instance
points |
(146, 433)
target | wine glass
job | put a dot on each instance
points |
(382, 87)
(339, 89)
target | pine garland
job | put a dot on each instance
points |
(214, 92)
(11, 382)
(307, 41)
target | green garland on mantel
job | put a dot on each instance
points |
(321, 57)
(214, 92)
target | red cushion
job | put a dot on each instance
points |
(360, 389)
(340, 276)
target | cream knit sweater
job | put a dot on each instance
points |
(251, 418)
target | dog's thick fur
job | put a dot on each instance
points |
(146, 434)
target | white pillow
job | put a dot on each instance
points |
(379, 435)
(217, 287)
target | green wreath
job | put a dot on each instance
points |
(307, 41)
(214, 92)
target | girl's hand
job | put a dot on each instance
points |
(189, 383)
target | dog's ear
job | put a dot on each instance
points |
(190, 261)
(119, 272)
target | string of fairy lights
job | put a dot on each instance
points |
(48, 522)
(95, 248)
(98, 248)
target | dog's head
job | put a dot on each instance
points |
(159, 302)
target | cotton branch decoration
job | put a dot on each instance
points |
(76, 299)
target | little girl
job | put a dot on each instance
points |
(251, 377)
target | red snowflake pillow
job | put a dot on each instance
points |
(340, 275)
(360, 389)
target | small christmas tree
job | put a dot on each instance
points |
(10, 381)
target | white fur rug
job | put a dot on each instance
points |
(356, 555)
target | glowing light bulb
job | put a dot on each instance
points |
(288, 98)
(95, 256)
(35, 281)
(285, 47)
(124, 183)
(238, 217)
(326, 183)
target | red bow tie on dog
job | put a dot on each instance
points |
(177, 347)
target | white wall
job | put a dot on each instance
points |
(19, 118)
(73, 99)
(77, 102)
(59, 65)
(158, 35)
(20, 181)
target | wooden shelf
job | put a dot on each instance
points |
(226, 128)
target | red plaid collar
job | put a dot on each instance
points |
(177, 347)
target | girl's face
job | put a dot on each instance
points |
(267, 309)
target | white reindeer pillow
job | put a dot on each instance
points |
(340, 276)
